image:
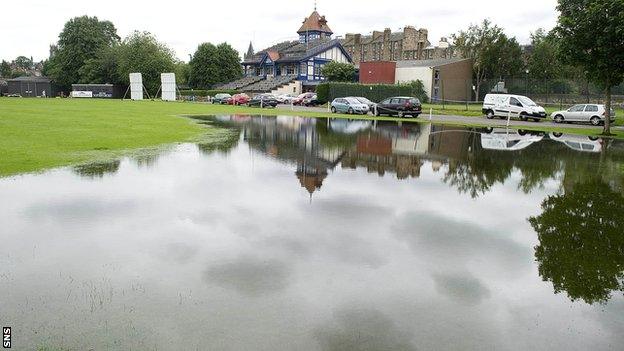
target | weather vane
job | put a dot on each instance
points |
(314, 5)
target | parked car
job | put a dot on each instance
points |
(349, 105)
(221, 98)
(286, 98)
(592, 113)
(504, 105)
(311, 101)
(400, 106)
(299, 99)
(238, 99)
(263, 100)
(371, 105)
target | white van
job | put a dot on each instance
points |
(503, 105)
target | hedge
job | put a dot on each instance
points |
(375, 92)
(204, 93)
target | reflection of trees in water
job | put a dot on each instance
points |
(477, 173)
(97, 169)
(581, 238)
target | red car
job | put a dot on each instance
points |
(305, 96)
(238, 99)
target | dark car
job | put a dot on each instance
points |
(221, 99)
(264, 100)
(399, 106)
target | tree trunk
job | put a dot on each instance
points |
(607, 123)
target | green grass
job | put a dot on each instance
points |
(39, 134)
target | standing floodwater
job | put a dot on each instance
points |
(304, 234)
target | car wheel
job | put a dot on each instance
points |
(522, 132)
(376, 113)
(333, 109)
(416, 115)
(557, 135)
(595, 121)
(558, 119)
(592, 138)
(489, 114)
(523, 117)
(536, 120)
(350, 111)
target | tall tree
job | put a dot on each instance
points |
(591, 35)
(494, 54)
(103, 68)
(141, 53)
(204, 66)
(5, 69)
(23, 62)
(81, 39)
(229, 63)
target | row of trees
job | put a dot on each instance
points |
(89, 50)
(586, 44)
(21, 66)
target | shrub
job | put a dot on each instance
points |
(375, 92)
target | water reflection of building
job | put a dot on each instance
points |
(294, 140)
(403, 149)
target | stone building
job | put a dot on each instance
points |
(410, 44)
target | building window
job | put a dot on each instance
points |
(268, 70)
(436, 77)
(290, 69)
(303, 69)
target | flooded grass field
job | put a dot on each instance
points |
(305, 234)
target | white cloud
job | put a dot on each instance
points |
(184, 25)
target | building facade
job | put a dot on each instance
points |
(410, 44)
(301, 60)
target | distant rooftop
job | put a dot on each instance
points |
(428, 63)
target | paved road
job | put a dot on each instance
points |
(469, 120)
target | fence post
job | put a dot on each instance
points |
(430, 113)
(508, 118)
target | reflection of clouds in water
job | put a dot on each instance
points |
(180, 252)
(349, 208)
(444, 238)
(250, 276)
(363, 330)
(91, 209)
(463, 287)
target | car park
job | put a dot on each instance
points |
(238, 99)
(349, 105)
(400, 106)
(583, 113)
(506, 105)
(263, 100)
(221, 98)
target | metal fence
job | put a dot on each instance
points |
(554, 93)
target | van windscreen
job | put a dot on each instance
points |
(526, 101)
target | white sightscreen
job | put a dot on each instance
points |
(136, 86)
(168, 83)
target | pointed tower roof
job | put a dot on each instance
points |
(250, 51)
(315, 22)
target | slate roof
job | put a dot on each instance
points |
(31, 79)
(289, 51)
(315, 22)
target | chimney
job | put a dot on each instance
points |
(443, 43)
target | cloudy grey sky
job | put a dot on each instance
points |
(183, 25)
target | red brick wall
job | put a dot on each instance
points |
(377, 72)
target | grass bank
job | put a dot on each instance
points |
(38, 134)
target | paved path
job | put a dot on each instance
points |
(470, 120)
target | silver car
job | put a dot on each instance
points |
(592, 113)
